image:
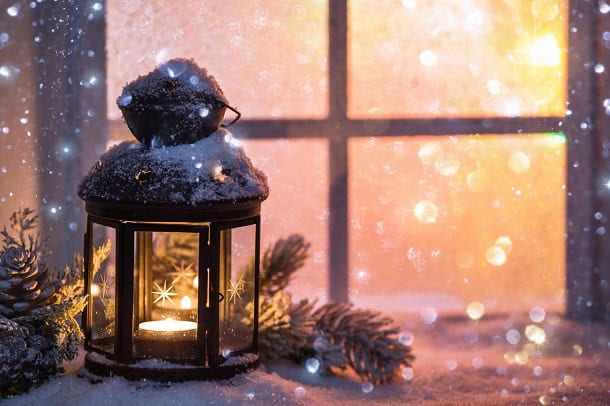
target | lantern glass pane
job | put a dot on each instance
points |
(238, 247)
(166, 286)
(457, 58)
(439, 222)
(103, 287)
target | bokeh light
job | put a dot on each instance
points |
(475, 310)
(426, 211)
(495, 255)
(537, 314)
(519, 162)
(535, 334)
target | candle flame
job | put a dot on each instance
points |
(185, 303)
(95, 290)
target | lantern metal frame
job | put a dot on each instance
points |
(208, 221)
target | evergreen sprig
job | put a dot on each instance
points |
(280, 262)
(336, 334)
(21, 222)
(38, 307)
(284, 327)
(369, 340)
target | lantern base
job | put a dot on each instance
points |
(163, 371)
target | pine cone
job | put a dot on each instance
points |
(13, 348)
(23, 284)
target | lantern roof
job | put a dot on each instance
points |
(212, 171)
(177, 82)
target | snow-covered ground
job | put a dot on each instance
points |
(458, 362)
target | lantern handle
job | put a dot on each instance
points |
(234, 110)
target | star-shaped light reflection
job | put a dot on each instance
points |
(181, 272)
(104, 286)
(236, 289)
(164, 293)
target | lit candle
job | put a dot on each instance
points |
(168, 329)
(186, 309)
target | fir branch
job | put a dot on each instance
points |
(284, 327)
(369, 340)
(71, 280)
(42, 304)
(281, 262)
(22, 221)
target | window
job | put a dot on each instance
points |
(371, 107)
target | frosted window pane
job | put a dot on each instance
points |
(443, 221)
(269, 57)
(457, 58)
(298, 203)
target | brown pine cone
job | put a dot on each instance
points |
(23, 284)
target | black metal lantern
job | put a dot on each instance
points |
(201, 313)
(172, 259)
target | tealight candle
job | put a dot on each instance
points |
(168, 329)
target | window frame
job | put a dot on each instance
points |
(588, 167)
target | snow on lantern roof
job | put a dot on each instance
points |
(184, 157)
(176, 103)
(211, 170)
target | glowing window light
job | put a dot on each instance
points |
(519, 162)
(409, 4)
(428, 58)
(426, 211)
(544, 52)
(428, 153)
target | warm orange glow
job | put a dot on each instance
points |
(450, 220)
(495, 255)
(505, 243)
(270, 58)
(477, 236)
(457, 58)
(218, 175)
(95, 290)
(519, 162)
(426, 211)
(298, 203)
(535, 334)
(186, 303)
(544, 52)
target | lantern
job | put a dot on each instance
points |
(172, 248)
